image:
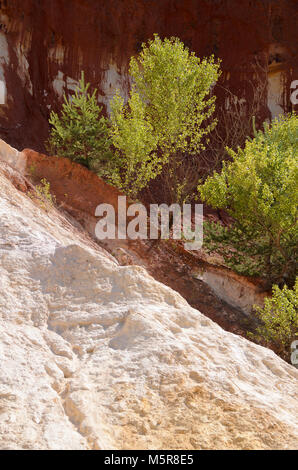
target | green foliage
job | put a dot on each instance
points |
(162, 120)
(279, 318)
(135, 161)
(259, 190)
(80, 132)
(43, 194)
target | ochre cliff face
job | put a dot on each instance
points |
(45, 44)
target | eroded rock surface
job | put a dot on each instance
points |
(95, 355)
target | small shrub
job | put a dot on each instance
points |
(161, 124)
(43, 194)
(279, 318)
(80, 132)
(259, 190)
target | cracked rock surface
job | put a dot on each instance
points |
(94, 355)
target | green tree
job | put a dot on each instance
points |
(80, 132)
(279, 319)
(162, 120)
(259, 190)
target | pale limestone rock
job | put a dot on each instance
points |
(11, 156)
(94, 355)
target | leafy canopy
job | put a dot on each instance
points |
(259, 190)
(167, 105)
(80, 132)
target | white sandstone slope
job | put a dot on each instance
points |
(94, 355)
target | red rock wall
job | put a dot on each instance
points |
(44, 45)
